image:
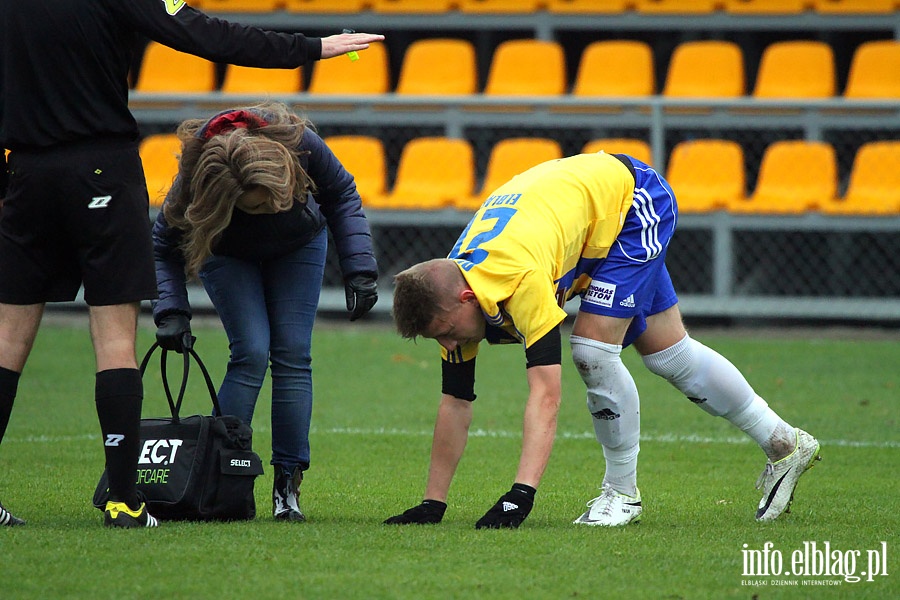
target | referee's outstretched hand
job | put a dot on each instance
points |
(342, 43)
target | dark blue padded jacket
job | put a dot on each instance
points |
(335, 202)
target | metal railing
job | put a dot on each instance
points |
(453, 115)
(810, 266)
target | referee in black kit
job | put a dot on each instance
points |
(75, 204)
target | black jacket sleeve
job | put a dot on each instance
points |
(4, 174)
(341, 205)
(171, 282)
(179, 26)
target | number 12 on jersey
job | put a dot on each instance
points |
(472, 255)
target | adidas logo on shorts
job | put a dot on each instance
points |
(628, 302)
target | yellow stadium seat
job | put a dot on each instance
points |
(705, 69)
(438, 67)
(677, 6)
(508, 158)
(775, 7)
(413, 6)
(249, 80)
(364, 158)
(615, 68)
(874, 187)
(639, 149)
(501, 6)
(166, 70)
(855, 6)
(588, 6)
(527, 67)
(796, 69)
(875, 71)
(706, 174)
(433, 173)
(326, 6)
(795, 176)
(340, 75)
(242, 5)
(159, 155)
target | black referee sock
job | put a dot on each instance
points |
(119, 394)
(9, 385)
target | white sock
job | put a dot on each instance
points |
(613, 401)
(621, 469)
(714, 384)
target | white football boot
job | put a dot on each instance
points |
(779, 479)
(612, 509)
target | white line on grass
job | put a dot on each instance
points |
(667, 438)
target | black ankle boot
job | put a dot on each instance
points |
(285, 491)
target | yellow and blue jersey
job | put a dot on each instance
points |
(532, 244)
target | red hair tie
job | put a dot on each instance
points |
(229, 121)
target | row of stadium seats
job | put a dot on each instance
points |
(435, 173)
(529, 67)
(740, 7)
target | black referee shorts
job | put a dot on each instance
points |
(76, 215)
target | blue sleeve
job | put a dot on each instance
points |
(341, 205)
(171, 282)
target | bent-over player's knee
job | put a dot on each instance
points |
(612, 396)
(706, 377)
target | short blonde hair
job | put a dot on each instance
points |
(422, 293)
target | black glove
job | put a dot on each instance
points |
(362, 294)
(430, 511)
(174, 333)
(510, 510)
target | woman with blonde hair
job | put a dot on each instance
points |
(247, 212)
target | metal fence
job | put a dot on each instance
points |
(724, 265)
(571, 121)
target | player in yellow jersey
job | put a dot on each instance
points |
(595, 226)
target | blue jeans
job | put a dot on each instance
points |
(268, 310)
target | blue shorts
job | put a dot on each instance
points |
(632, 281)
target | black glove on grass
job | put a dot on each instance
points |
(430, 511)
(510, 510)
(362, 293)
(174, 333)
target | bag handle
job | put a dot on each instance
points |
(175, 405)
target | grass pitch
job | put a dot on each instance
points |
(376, 397)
